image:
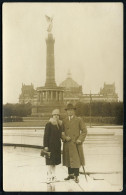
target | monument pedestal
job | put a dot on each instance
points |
(48, 99)
(45, 110)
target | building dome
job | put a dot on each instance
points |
(69, 82)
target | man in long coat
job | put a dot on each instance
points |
(73, 137)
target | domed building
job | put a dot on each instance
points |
(45, 98)
(72, 90)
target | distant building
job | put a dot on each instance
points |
(72, 93)
(108, 91)
(27, 94)
(72, 90)
(106, 94)
(45, 98)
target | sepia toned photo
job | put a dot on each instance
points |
(62, 97)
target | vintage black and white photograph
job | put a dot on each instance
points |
(62, 97)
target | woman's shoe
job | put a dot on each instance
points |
(54, 179)
(49, 180)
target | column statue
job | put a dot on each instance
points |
(50, 24)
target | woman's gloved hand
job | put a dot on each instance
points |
(46, 149)
(68, 139)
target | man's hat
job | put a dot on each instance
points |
(70, 106)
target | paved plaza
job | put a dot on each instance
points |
(24, 169)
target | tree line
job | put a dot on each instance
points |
(20, 110)
(101, 109)
(104, 109)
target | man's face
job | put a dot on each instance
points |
(70, 112)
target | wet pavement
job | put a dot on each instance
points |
(24, 169)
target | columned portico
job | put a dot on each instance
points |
(50, 95)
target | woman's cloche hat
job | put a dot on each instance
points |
(70, 106)
(56, 111)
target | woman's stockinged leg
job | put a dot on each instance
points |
(54, 178)
(53, 168)
(49, 174)
(49, 171)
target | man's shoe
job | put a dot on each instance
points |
(76, 179)
(69, 177)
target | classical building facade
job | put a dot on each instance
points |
(27, 94)
(71, 92)
(109, 93)
(106, 94)
(45, 98)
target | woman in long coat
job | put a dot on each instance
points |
(52, 144)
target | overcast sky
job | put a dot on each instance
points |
(88, 42)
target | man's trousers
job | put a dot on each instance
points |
(74, 171)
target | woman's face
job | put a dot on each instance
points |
(56, 116)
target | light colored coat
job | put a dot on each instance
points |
(73, 155)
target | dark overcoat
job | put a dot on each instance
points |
(52, 140)
(73, 155)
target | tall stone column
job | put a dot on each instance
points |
(50, 67)
(46, 95)
(56, 96)
(62, 95)
(51, 95)
(41, 96)
(59, 95)
(38, 96)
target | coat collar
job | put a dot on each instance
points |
(54, 122)
(73, 117)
